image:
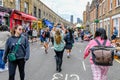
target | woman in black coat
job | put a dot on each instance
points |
(69, 39)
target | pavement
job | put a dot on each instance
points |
(41, 66)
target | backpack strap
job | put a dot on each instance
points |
(97, 42)
(104, 43)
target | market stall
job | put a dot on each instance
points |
(21, 18)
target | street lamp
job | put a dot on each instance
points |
(97, 6)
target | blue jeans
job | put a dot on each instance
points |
(113, 37)
(2, 64)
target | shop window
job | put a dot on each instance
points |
(1, 2)
(39, 13)
(35, 11)
(118, 2)
(111, 1)
(26, 7)
(18, 5)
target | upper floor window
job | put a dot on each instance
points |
(104, 8)
(111, 1)
(118, 2)
(39, 13)
(99, 10)
(1, 2)
(26, 7)
(18, 5)
(44, 13)
(35, 11)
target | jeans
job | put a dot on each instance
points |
(82, 37)
(2, 64)
(12, 69)
(113, 37)
(59, 56)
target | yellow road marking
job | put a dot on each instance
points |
(117, 60)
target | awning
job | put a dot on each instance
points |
(28, 17)
(48, 24)
(78, 25)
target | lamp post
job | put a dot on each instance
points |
(97, 6)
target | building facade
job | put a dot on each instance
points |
(71, 18)
(35, 8)
(86, 16)
(108, 15)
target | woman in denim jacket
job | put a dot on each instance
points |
(22, 54)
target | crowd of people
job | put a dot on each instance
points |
(61, 38)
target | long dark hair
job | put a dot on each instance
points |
(101, 32)
(71, 33)
(4, 28)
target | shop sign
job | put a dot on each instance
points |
(16, 16)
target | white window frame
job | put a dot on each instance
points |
(2, 3)
(17, 3)
(111, 4)
(117, 3)
(26, 6)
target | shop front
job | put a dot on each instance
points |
(21, 18)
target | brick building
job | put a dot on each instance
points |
(108, 15)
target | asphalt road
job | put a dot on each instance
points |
(41, 66)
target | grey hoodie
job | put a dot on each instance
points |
(23, 51)
(4, 35)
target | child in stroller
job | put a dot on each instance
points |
(88, 37)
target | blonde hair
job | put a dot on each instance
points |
(58, 37)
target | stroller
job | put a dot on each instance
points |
(88, 37)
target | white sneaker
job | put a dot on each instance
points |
(6, 68)
(1, 70)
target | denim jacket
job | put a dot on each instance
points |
(23, 51)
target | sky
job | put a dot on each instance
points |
(65, 8)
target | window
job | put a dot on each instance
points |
(35, 11)
(1, 2)
(44, 13)
(103, 8)
(39, 13)
(18, 5)
(111, 4)
(26, 7)
(100, 8)
(118, 3)
(116, 24)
